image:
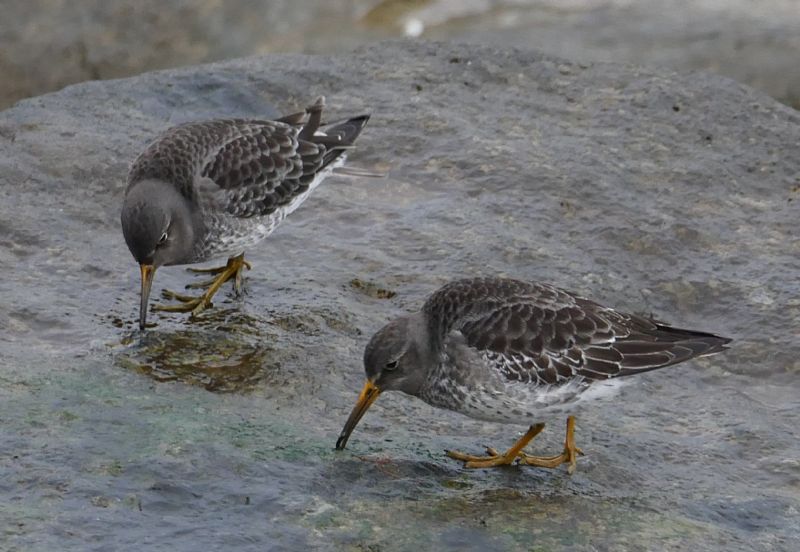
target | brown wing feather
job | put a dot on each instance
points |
(262, 168)
(256, 166)
(539, 333)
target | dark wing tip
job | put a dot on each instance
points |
(665, 346)
(345, 133)
(703, 343)
(338, 138)
(338, 134)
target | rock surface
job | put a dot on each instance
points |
(47, 44)
(666, 193)
(753, 42)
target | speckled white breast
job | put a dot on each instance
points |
(477, 390)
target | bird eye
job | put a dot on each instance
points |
(391, 365)
(162, 240)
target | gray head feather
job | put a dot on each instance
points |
(157, 223)
(398, 357)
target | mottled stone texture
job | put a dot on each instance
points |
(661, 193)
(48, 44)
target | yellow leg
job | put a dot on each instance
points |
(218, 269)
(232, 270)
(494, 459)
(569, 456)
(234, 263)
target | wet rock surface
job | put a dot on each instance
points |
(657, 192)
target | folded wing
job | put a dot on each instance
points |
(542, 334)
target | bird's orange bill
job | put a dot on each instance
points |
(369, 395)
(148, 271)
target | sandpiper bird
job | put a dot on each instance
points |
(212, 189)
(510, 351)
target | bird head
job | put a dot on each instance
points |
(395, 359)
(157, 225)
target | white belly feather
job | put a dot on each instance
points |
(245, 233)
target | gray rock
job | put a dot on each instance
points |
(47, 44)
(666, 193)
(753, 42)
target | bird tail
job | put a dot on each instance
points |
(340, 137)
(701, 343)
(663, 346)
(336, 137)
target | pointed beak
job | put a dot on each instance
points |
(368, 396)
(148, 271)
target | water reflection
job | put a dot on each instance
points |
(217, 352)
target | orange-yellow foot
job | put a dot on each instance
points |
(569, 456)
(188, 303)
(232, 270)
(495, 459)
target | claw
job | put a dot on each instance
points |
(212, 270)
(494, 459)
(568, 456)
(196, 305)
(167, 294)
(203, 284)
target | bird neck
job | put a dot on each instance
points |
(428, 345)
